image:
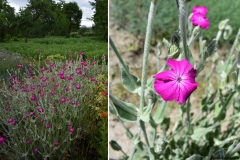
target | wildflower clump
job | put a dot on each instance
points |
(42, 108)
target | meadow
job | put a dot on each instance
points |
(54, 99)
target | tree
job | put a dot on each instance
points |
(100, 17)
(34, 16)
(7, 18)
(73, 15)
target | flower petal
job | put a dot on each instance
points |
(186, 89)
(166, 75)
(179, 67)
(167, 90)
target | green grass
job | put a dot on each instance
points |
(26, 53)
(91, 46)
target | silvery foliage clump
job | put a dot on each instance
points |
(46, 112)
(191, 138)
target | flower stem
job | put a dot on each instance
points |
(183, 11)
(151, 14)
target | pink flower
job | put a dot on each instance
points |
(28, 142)
(42, 69)
(52, 92)
(42, 120)
(40, 110)
(36, 150)
(177, 83)
(52, 65)
(2, 139)
(200, 10)
(48, 126)
(79, 71)
(71, 130)
(78, 86)
(10, 120)
(20, 66)
(200, 20)
(62, 100)
(31, 113)
(56, 144)
(69, 124)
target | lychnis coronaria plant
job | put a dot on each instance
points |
(199, 130)
(46, 111)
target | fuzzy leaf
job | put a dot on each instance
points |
(130, 81)
(199, 132)
(126, 111)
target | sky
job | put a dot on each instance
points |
(83, 4)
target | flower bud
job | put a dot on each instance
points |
(176, 38)
(174, 52)
(227, 32)
(196, 31)
(223, 24)
(159, 145)
(211, 47)
(115, 145)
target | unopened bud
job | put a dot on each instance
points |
(196, 31)
(227, 32)
(223, 24)
(174, 52)
(176, 38)
(159, 145)
(211, 47)
(115, 145)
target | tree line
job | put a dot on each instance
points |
(40, 18)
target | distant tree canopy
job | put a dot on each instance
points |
(39, 18)
(100, 17)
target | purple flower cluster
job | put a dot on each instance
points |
(199, 18)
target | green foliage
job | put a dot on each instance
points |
(136, 13)
(100, 17)
(73, 15)
(57, 45)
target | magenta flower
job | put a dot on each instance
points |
(42, 120)
(10, 120)
(36, 150)
(69, 124)
(200, 20)
(71, 130)
(48, 126)
(200, 10)
(62, 100)
(67, 89)
(2, 139)
(20, 66)
(177, 83)
(56, 144)
(28, 142)
(40, 110)
(78, 86)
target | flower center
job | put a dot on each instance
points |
(179, 79)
